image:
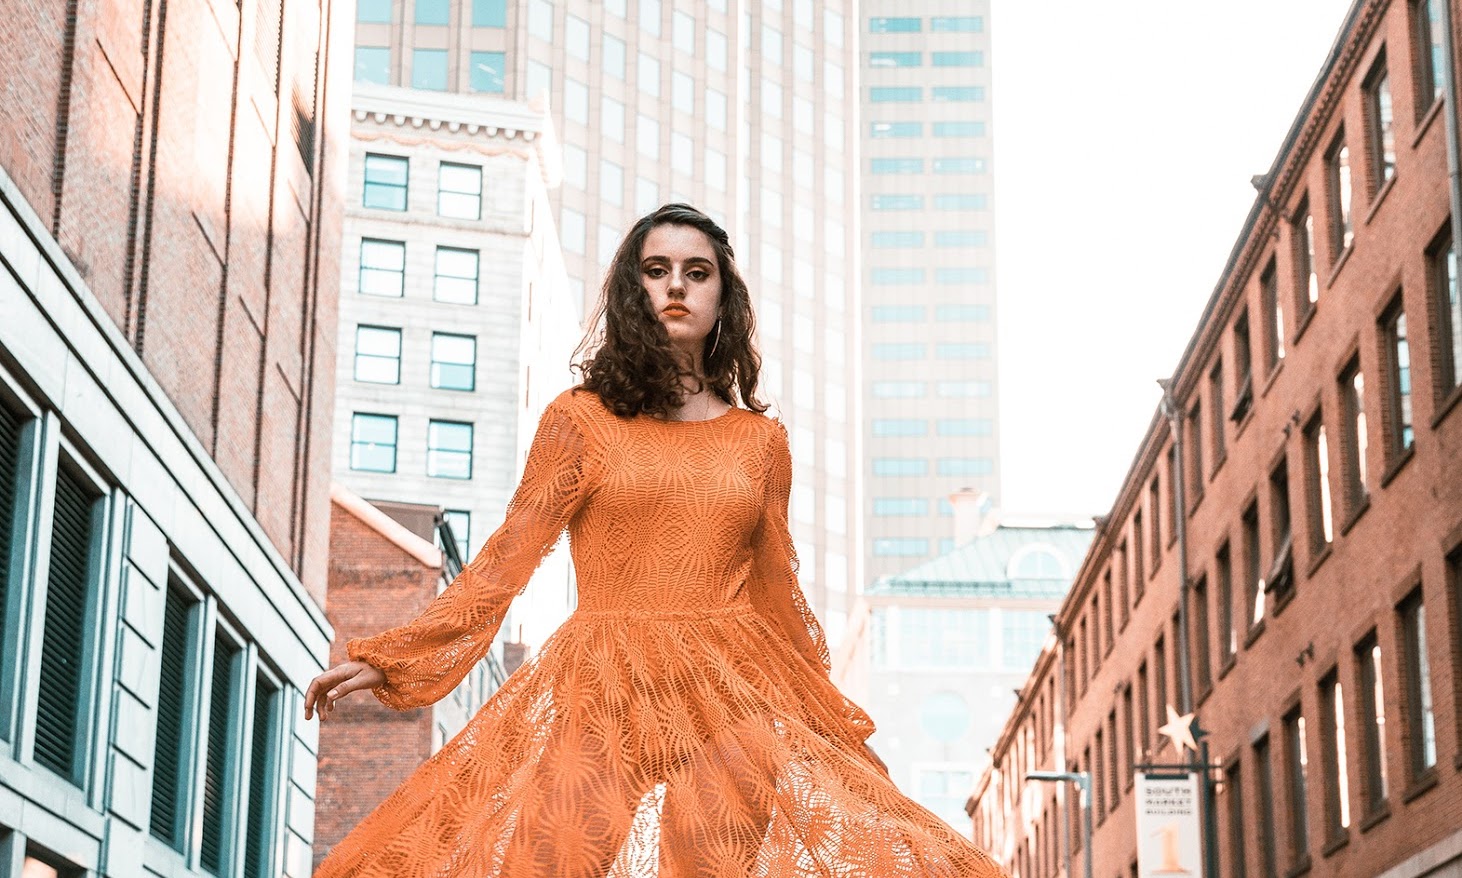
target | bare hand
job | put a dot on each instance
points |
(338, 682)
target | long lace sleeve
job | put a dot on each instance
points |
(773, 587)
(427, 657)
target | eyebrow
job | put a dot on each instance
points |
(694, 260)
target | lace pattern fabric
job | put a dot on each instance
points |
(682, 721)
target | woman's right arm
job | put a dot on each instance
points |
(419, 663)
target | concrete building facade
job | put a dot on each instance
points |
(1317, 532)
(169, 221)
(928, 268)
(456, 325)
(745, 110)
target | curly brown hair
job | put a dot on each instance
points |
(626, 356)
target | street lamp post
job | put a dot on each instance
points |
(1083, 780)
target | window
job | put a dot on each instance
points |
(373, 443)
(899, 313)
(899, 389)
(886, 427)
(682, 92)
(962, 389)
(894, 25)
(959, 166)
(647, 136)
(900, 466)
(959, 59)
(1353, 415)
(1281, 570)
(1317, 478)
(1273, 316)
(1442, 278)
(1253, 569)
(453, 361)
(962, 238)
(1263, 779)
(613, 56)
(576, 101)
(964, 427)
(1144, 727)
(1160, 682)
(169, 777)
(966, 466)
(262, 773)
(897, 166)
(431, 12)
(1243, 366)
(896, 276)
(1337, 771)
(373, 64)
(958, 93)
(900, 351)
(1195, 458)
(1139, 576)
(385, 182)
(1202, 665)
(895, 59)
(892, 94)
(1122, 590)
(1370, 690)
(373, 12)
(1380, 124)
(682, 30)
(897, 202)
(1396, 356)
(459, 191)
(902, 547)
(449, 450)
(429, 69)
(1233, 792)
(378, 355)
(958, 24)
(648, 76)
(962, 313)
(1223, 577)
(895, 129)
(969, 201)
(611, 120)
(460, 523)
(382, 267)
(1296, 769)
(771, 45)
(716, 49)
(971, 350)
(456, 276)
(896, 240)
(1154, 506)
(900, 506)
(959, 129)
(1337, 170)
(650, 17)
(1428, 17)
(1099, 777)
(488, 70)
(540, 20)
(489, 13)
(1307, 282)
(1217, 413)
(12, 431)
(1421, 728)
(223, 737)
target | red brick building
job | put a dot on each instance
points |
(1316, 525)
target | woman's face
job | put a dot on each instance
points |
(678, 268)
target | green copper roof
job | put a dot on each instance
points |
(1034, 562)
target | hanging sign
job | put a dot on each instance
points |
(1169, 835)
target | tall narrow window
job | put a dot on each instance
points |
(1273, 310)
(1233, 792)
(382, 267)
(60, 729)
(1160, 681)
(1124, 595)
(1381, 122)
(1297, 776)
(1144, 714)
(378, 354)
(1337, 170)
(1442, 278)
(1195, 456)
(1223, 578)
(453, 361)
(1307, 282)
(10, 433)
(1217, 412)
(1099, 777)
(1243, 366)
(1319, 512)
(1281, 570)
(1108, 628)
(449, 450)
(385, 182)
(1129, 738)
(1084, 659)
(456, 276)
(1264, 782)
(1421, 729)
(263, 771)
(1253, 567)
(1139, 577)
(1353, 411)
(1154, 507)
(1396, 354)
(459, 191)
(219, 773)
(373, 443)
(1202, 666)
(1372, 699)
(169, 775)
(1114, 768)
(1428, 17)
(1337, 771)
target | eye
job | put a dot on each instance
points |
(655, 271)
(699, 274)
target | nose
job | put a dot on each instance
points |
(677, 281)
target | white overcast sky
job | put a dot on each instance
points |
(1125, 134)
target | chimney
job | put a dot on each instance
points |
(974, 515)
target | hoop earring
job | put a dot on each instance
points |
(717, 340)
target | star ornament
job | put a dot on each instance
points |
(1179, 730)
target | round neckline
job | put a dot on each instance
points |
(722, 415)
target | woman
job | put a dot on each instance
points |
(681, 722)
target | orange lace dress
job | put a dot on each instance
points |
(681, 722)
